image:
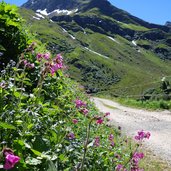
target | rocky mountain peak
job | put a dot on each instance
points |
(51, 5)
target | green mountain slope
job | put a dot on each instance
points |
(108, 50)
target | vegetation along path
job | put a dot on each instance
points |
(158, 123)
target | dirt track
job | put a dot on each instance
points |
(131, 120)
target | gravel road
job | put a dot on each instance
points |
(158, 123)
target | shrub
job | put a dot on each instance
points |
(14, 37)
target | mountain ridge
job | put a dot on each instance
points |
(106, 7)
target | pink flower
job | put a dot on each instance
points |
(55, 67)
(46, 55)
(59, 58)
(119, 167)
(107, 114)
(142, 135)
(25, 62)
(138, 155)
(111, 140)
(111, 137)
(10, 159)
(75, 121)
(147, 135)
(97, 141)
(30, 66)
(135, 161)
(99, 121)
(39, 56)
(84, 111)
(112, 143)
(71, 136)
(79, 103)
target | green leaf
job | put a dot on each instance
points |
(37, 153)
(20, 142)
(63, 158)
(18, 122)
(17, 94)
(7, 126)
(30, 126)
(12, 23)
(2, 48)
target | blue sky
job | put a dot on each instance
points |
(154, 11)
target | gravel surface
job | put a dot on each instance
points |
(158, 123)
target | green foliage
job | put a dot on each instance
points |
(152, 98)
(162, 46)
(148, 104)
(144, 43)
(14, 37)
(134, 27)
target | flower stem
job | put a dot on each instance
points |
(86, 144)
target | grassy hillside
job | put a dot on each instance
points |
(104, 63)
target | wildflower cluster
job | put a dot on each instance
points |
(99, 120)
(51, 65)
(97, 141)
(28, 65)
(71, 136)
(120, 167)
(10, 159)
(79, 103)
(111, 137)
(135, 161)
(142, 135)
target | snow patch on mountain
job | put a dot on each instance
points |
(111, 38)
(83, 30)
(72, 36)
(64, 30)
(44, 12)
(57, 12)
(95, 52)
(134, 43)
(36, 18)
(40, 16)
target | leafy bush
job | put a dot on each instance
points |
(14, 37)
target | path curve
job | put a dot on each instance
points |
(132, 120)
